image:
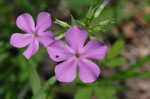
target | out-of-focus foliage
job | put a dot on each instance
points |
(98, 92)
(105, 92)
(112, 58)
(84, 93)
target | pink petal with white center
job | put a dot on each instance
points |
(43, 21)
(76, 37)
(59, 51)
(88, 71)
(32, 49)
(26, 23)
(95, 49)
(20, 40)
(66, 71)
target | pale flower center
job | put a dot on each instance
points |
(77, 55)
(34, 35)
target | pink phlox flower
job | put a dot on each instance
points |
(75, 56)
(35, 33)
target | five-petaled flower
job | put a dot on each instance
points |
(76, 56)
(35, 33)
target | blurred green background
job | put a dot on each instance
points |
(125, 27)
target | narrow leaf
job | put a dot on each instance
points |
(116, 49)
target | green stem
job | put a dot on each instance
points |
(35, 81)
(46, 86)
(34, 78)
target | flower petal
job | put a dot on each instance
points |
(46, 38)
(58, 51)
(43, 21)
(20, 40)
(32, 49)
(66, 71)
(88, 71)
(76, 37)
(48, 33)
(26, 23)
(95, 49)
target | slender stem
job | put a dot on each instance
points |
(34, 78)
(47, 85)
(35, 82)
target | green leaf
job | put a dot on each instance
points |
(139, 63)
(128, 73)
(115, 61)
(90, 15)
(116, 49)
(35, 82)
(44, 88)
(103, 26)
(84, 93)
(34, 78)
(73, 21)
(62, 23)
(105, 92)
